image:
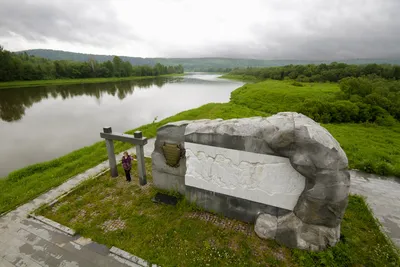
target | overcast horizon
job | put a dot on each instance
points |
(253, 29)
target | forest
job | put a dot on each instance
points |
(24, 67)
(332, 72)
(210, 64)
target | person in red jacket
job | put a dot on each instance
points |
(127, 165)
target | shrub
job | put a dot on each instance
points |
(297, 84)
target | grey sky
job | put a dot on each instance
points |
(268, 29)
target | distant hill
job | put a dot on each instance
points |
(196, 64)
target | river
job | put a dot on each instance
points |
(42, 123)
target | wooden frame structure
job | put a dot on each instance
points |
(136, 139)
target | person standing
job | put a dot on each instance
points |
(127, 165)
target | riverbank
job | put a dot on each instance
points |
(17, 84)
(25, 184)
(369, 147)
(242, 78)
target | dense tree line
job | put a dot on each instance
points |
(333, 72)
(19, 67)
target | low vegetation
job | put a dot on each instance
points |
(277, 96)
(369, 147)
(116, 213)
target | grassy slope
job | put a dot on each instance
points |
(369, 147)
(25, 184)
(16, 84)
(275, 96)
(170, 236)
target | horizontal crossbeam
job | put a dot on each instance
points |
(124, 138)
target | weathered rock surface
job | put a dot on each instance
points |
(266, 226)
(311, 150)
(164, 176)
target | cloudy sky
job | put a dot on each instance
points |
(265, 29)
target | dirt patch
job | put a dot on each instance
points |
(223, 222)
(81, 214)
(113, 225)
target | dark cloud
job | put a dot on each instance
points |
(82, 22)
(273, 29)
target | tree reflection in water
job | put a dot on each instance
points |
(14, 101)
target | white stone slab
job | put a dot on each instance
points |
(260, 178)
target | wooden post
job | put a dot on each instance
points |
(140, 159)
(110, 152)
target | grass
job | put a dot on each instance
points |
(16, 84)
(276, 96)
(25, 184)
(369, 147)
(183, 236)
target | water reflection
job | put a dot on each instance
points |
(14, 101)
(39, 124)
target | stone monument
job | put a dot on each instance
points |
(285, 173)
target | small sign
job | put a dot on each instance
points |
(172, 153)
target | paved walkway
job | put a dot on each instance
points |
(383, 196)
(27, 242)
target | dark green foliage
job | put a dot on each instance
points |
(22, 67)
(297, 84)
(378, 98)
(332, 72)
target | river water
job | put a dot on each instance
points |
(42, 123)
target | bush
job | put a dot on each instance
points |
(385, 120)
(297, 84)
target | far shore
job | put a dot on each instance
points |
(18, 84)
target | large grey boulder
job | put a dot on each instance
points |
(314, 221)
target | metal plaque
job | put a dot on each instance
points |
(172, 154)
